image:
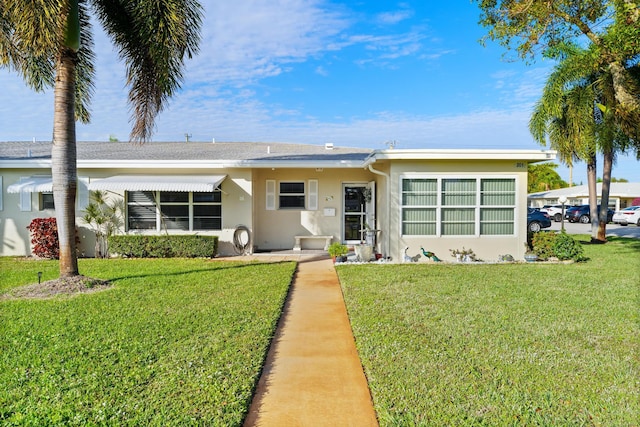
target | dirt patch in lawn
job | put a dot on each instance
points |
(61, 286)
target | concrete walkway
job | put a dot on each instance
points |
(312, 375)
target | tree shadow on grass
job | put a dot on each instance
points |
(232, 265)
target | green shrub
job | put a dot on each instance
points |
(137, 246)
(566, 247)
(543, 244)
(559, 245)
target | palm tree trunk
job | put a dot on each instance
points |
(593, 195)
(607, 166)
(63, 161)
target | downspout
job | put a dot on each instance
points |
(386, 241)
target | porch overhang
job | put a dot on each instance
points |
(32, 184)
(195, 183)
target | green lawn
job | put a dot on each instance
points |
(501, 345)
(173, 342)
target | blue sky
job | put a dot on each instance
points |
(355, 73)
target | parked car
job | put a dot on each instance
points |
(554, 211)
(582, 214)
(537, 220)
(630, 215)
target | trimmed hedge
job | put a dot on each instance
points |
(137, 246)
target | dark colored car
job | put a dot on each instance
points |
(582, 214)
(537, 220)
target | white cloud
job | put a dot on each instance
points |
(246, 40)
(390, 18)
(322, 71)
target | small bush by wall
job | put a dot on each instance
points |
(559, 245)
(565, 247)
(44, 238)
(543, 244)
(137, 246)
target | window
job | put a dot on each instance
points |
(174, 210)
(419, 201)
(497, 206)
(458, 206)
(291, 195)
(46, 201)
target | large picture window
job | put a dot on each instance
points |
(458, 206)
(174, 210)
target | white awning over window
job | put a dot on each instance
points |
(197, 183)
(32, 184)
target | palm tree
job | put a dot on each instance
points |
(564, 114)
(50, 44)
(544, 177)
(106, 217)
(575, 112)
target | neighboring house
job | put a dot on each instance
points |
(621, 195)
(438, 199)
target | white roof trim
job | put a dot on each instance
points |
(462, 154)
(32, 184)
(197, 183)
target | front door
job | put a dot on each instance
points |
(358, 208)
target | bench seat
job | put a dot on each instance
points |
(298, 240)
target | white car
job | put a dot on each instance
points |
(554, 211)
(630, 215)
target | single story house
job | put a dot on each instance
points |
(279, 195)
(621, 195)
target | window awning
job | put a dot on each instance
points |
(197, 183)
(32, 184)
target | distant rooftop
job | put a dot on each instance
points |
(617, 189)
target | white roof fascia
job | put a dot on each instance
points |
(217, 164)
(147, 164)
(308, 164)
(462, 154)
(25, 164)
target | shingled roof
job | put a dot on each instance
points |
(249, 152)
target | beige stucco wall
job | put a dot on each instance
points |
(275, 229)
(236, 207)
(14, 236)
(243, 203)
(485, 247)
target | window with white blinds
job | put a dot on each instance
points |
(174, 210)
(441, 206)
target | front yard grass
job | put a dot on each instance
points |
(501, 345)
(172, 342)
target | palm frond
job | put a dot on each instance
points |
(154, 38)
(85, 71)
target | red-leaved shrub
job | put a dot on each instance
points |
(44, 238)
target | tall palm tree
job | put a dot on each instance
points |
(576, 113)
(50, 44)
(564, 115)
